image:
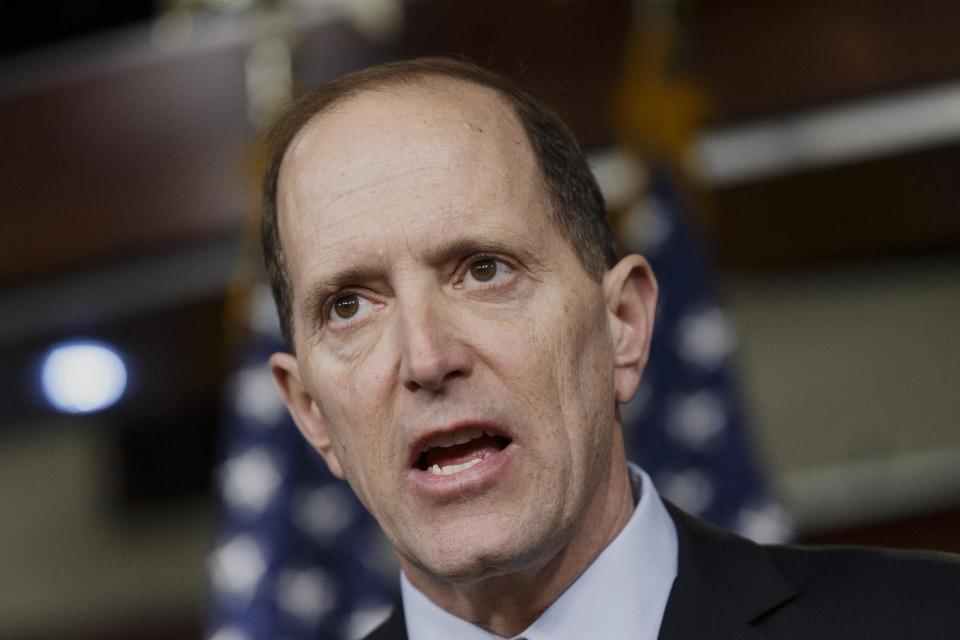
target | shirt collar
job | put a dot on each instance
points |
(622, 593)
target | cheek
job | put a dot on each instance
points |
(353, 378)
(524, 354)
(587, 395)
(354, 404)
(546, 355)
(360, 455)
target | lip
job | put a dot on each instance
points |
(477, 478)
(488, 427)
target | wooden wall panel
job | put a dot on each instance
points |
(102, 161)
(781, 54)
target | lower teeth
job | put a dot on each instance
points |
(451, 469)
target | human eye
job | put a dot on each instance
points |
(486, 271)
(347, 308)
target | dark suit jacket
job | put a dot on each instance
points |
(730, 588)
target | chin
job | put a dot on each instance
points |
(465, 557)
(473, 568)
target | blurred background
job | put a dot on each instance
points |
(791, 169)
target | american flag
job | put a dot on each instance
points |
(298, 557)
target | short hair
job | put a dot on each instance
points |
(576, 204)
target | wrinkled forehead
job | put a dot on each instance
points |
(427, 123)
(401, 162)
(441, 143)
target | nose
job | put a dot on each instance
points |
(432, 352)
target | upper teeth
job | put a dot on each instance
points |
(457, 437)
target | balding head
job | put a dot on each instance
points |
(575, 201)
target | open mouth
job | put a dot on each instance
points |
(450, 453)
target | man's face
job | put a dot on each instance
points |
(456, 357)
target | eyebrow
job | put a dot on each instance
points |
(449, 251)
(458, 248)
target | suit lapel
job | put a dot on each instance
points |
(724, 583)
(693, 616)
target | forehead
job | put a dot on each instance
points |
(433, 125)
(398, 162)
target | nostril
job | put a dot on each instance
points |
(456, 373)
(431, 382)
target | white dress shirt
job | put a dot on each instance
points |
(623, 593)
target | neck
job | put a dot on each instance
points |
(507, 604)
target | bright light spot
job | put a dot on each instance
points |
(256, 398)
(237, 566)
(697, 419)
(690, 489)
(324, 513)
(706, 338)
(250, 480)
(81, 377)
(308, 594)
(228, 633)
(766, 524)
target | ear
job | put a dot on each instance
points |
(305, 412)
(630, 291)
